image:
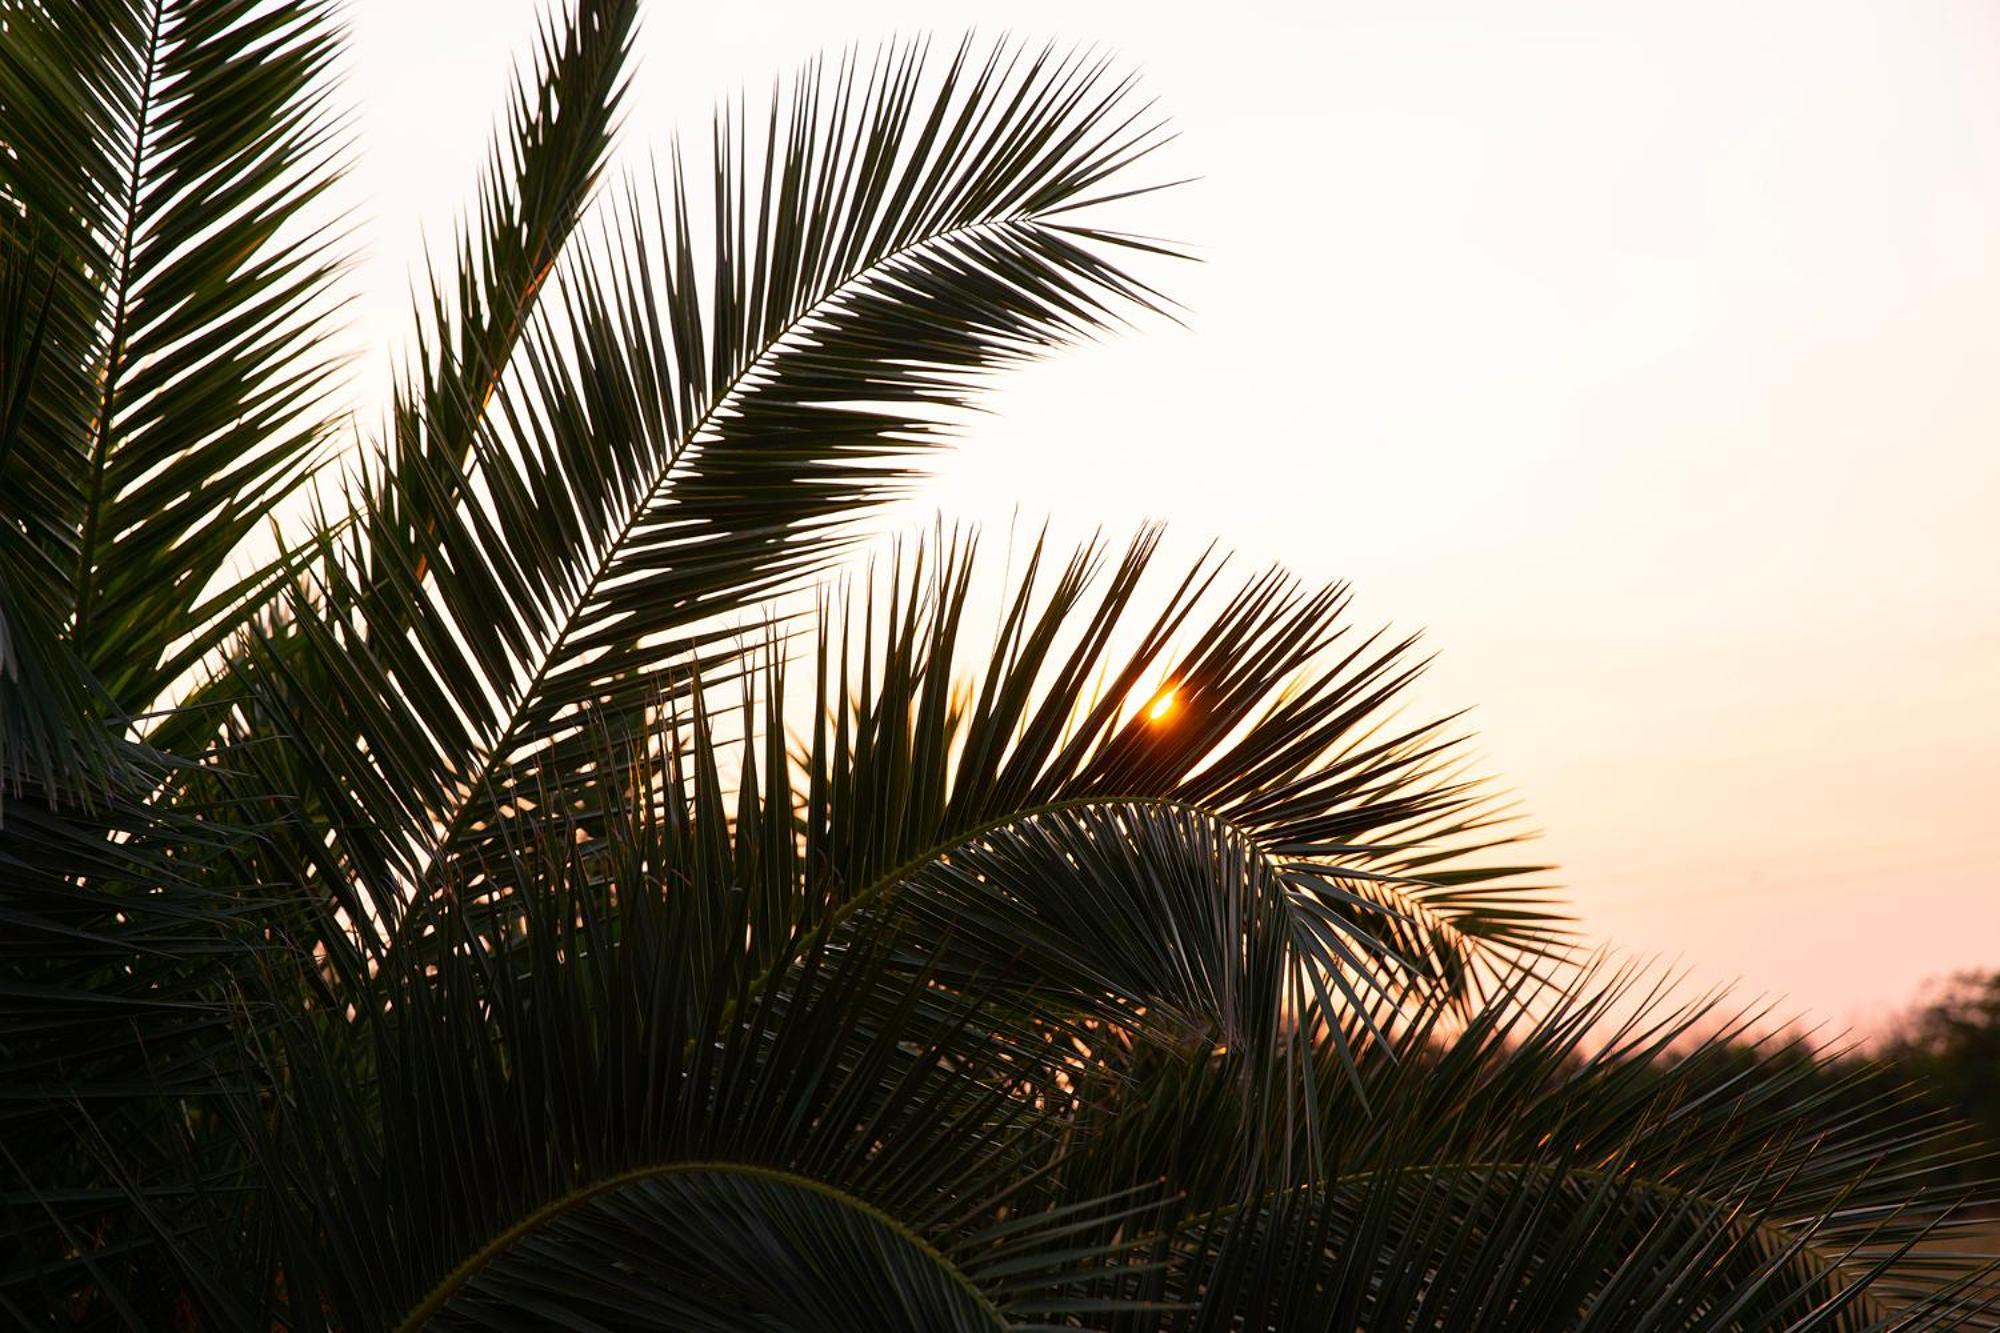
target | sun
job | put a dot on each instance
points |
(1163, 705)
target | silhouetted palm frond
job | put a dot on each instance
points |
(161, 158)
(501, 908)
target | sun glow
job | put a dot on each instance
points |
(1162, 707)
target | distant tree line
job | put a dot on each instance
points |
(1951, 1045)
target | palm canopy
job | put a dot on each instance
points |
(465, 917)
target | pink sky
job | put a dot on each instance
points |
(1647, 356)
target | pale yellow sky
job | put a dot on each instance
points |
(1647, 355)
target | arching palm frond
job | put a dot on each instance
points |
(1242, 867)
(1260, 714)
(539, 181)
(649, 462)
(198, 137)
(160, 393)
(1554, 1165)
(161, 160)
(567, 1113)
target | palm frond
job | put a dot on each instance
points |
(161, 155)
(718, 1247)
(539, 180)
(1238, 870)
(52, 746)
(51, 743)
(573, 1112)
(653, 460)
(503, 935)
(1554, 1165)
(1278, 739)
(118, 931)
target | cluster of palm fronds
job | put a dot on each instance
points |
(465, 916)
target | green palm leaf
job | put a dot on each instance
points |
(161, 156)
(650, 463)
(538, 184)
(1535, 1173)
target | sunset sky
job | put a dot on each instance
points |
(1646, 356)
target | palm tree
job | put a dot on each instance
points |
(481, 911)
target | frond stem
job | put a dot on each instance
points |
(886, 883)
(1781, 1234)
(454, 826)
(100, 445)
(470, 1267)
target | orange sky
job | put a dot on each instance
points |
(1648, 356)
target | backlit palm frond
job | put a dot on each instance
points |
(1204, 877)
(513, 929)
(541, 171)
(1255, 721)
(678, 438)
(539, 180)
(160, 162)
(566, 1114)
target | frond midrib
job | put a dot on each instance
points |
(1781, 1234)
(606, 557)
(885, 884)
(99, 457)
(470, 1267)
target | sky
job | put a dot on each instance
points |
(1645, 356)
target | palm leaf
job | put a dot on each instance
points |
(720, 1247)
(163, 156)
(573, 1113)
(652, 462)
(495, 938)
(118, 930)
(1552, 1164)
(539, 180)
(1279, 750)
